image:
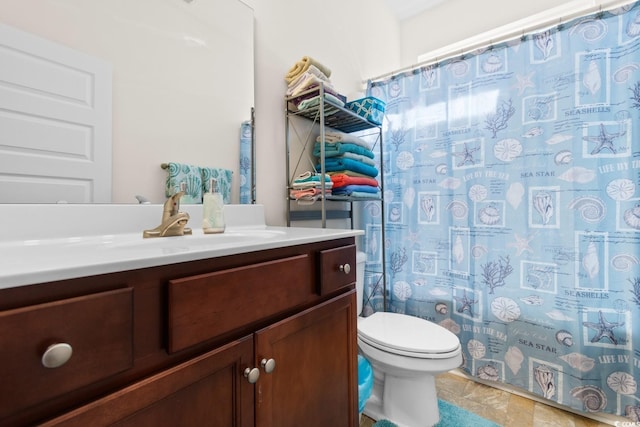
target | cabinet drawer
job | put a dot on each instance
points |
(98, 327)
(209, 305)
(334, 273)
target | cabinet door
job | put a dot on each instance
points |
(208, 390)
(314, 382)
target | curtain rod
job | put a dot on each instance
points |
(502, 34)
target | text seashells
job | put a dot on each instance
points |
(514, 358)
(579, 361)
(593, 399)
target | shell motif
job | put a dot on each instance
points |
(592, 79)
(564, 337)
(546, 380)
(632, 217)
(593, 399)
(558, 315)
(428, 207)
(489, 215)
(579, 361)
(532, 300)
(624, 262)
(402, 290)
(476, 349)
(457, 251)
(621, 189)
(632, 412)
(578, 174)
(437, 154)
(492, 64)
(515, 194)
(458, 209)
(405, 160)
(592, 209)
(539, 278)
(505, 309)
(450, 183)
(478, 192)
(441, 308)
(590, 261)
(458, 68)
(488, 372)
(441, 169)
(533, 132)
(623, 74)
(543, 203)
(409, 196)
(479, 251)
(395, 214)
(514, 358)
(450, 325)
(544, 42)
(622, 383)
(558, 138)
(633, 26)
(507, 149)
(563, 157)
(591, 29)
(430, 75)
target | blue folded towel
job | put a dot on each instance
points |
(339, 148)
(348, 189)
(335, 164)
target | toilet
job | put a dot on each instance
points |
(406, 353)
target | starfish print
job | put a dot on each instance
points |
(467, 304)
(524, 82)
(604, 328)
(467, 155)
(604, 140)
(521, 244)
(413, 238)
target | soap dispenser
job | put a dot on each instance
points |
(212, 210)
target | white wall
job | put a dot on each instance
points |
(455, 20)
(355, 39)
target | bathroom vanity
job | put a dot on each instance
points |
(257, 328)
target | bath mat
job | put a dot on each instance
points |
(451, 416)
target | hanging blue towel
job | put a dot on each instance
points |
(223, 179)
(246, 180)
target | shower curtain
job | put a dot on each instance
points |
(512, 209)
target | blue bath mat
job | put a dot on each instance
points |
(451, 416)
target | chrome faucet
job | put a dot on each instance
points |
(173, 221)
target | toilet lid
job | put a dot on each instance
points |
(406, 333)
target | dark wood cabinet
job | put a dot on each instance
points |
(260, 339)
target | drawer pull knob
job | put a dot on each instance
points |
(268, 365)
(56, 355)
(252, 375)
(345, 268)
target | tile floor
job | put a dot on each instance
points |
(502, 407)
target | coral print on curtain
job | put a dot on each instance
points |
(513, 208)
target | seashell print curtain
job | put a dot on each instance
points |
(512, 204)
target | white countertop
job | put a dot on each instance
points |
(71, 241)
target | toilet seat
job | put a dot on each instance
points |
(408, 335)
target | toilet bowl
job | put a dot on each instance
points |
(406, 353)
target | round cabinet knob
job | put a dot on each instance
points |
(252, 375)
(345, 268)
(56, 355)
(268, 365)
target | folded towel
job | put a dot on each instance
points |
(223, 179)
(183, 176)
(315, 101)
(331, 137)
(306, 193)
(311, 70)
(311, 180)
(338, 149)
(360, 158)
(303, 65)
(349, 189)
(342, 180)
(310, 176)
(308, 81)
(333, 164)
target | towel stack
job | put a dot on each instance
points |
(308, 74)
(307, 187)
(349, 162)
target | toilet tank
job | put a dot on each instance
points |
(361, 258)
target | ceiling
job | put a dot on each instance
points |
(407, 8)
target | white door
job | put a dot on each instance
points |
(55, 122)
